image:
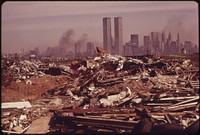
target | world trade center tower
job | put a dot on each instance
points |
(118, 36)
(107, 40)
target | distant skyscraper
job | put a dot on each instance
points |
(147, 45)
(135, 40)
(196, 50)
(178, 43)
(90, 49)
(167, 44)
(162, 42)
(188, 46)
(118, 46)
(178, 38)
(155, 42)
(154, 37)
(169, 36)
(128, 49)
(77, 50)
(163, 37)
(173, 49)
(107, 43)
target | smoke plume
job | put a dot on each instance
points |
(82, 41)
(66, 44)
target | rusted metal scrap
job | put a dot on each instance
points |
(115, 94)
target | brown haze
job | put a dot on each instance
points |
(177, 24)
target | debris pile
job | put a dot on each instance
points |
(23, 70)
(14, 118)
(17, 70)
(18, 116)
(115, 94)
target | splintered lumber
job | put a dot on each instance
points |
(14, 132)
(98, 111)
(194, 70)
(180, 107)
(178, 98)
(86, 82)
(170, 113)
(186, 89)
(190, 100)
(158, 104)
(167, 118)
(99, 122)
(194, 84)
(106, 122)
(116, 115)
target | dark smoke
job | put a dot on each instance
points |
(178, 24)
(82, 41)
(66, 44)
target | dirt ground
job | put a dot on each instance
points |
(18, 91)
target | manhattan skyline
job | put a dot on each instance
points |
(27, 25)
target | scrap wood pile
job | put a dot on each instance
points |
(17, 117)
(115, 94)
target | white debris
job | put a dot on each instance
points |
(29, 82)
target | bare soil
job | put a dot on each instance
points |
(17, 91)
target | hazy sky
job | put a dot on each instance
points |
(41, 24)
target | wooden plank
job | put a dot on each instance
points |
(116, 115)
(178, 98)
(170, 113)
(190, 100)
(14, 132)
(167, 118)
(108, 120)
(180, 107)
(19, 105)
(39, 126)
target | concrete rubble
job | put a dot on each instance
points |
(110, 94)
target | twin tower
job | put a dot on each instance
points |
(109, 46)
